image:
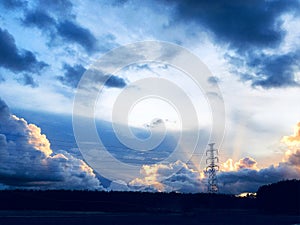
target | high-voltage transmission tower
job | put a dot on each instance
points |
(212, 168)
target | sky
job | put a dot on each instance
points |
(124, 70)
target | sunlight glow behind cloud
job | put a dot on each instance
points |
(252, 50)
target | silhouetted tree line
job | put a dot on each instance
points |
(116, 201)
(283, 196)
(285, 193)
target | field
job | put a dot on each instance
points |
(197, 217)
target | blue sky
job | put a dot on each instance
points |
(250, 47)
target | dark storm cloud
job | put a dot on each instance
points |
(247, 27)
(17, 60)
(74, 73)
(242, 24)
(72, 32)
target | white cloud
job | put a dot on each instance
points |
(255, 118)
(233, 178)
(28, 161)
(244, 163)
(161, 177)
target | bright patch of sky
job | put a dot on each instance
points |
(258, 110)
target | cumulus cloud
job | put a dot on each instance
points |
(244, 176)
(248, 180)
(293, 139)
(244, 163)
(233, 177)
(162, 177)
(27, 160)
(292, 156)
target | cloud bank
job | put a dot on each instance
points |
(233, 177)
(27, 161)
(161, 177)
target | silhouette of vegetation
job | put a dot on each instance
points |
(116, 201)
(283, 196)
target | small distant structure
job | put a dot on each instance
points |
(246, 195)
(212, 168)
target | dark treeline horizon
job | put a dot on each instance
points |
(282, 197)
